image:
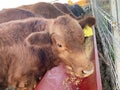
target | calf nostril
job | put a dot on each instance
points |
(88, 72)
(84, 72)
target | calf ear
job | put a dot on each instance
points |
(38, 39)
(89, 20)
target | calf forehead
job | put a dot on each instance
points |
(70, 31)
(73, 34)
(73, 40)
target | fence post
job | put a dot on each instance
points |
(116, 20)
(118, 10)
(118, 39)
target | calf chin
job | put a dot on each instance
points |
(10, 88)
(20, 88)
(85, 72)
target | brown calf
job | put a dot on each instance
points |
(53, 41)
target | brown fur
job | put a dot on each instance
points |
(63, 7)
(48, 42)
(48, 10)
(16, 31)
(14, 14)
(54, 10)
(67, 40)
(22, 66)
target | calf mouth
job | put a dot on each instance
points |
(74, 77)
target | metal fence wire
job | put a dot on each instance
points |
(109, 31)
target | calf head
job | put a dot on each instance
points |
(66, 38)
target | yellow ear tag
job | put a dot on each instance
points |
(88, 31)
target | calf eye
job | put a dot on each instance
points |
(59, 45)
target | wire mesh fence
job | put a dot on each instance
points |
(109, 31)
